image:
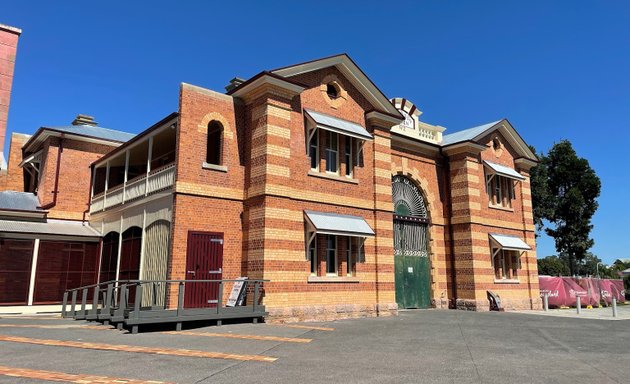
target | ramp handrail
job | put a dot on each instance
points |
(116, 296)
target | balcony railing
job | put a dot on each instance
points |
(158, 180)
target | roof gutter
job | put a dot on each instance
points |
(56, 189)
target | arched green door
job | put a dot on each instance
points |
(411, 253)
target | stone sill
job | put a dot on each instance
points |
(214, 167)
(334, 177)
(501, 208)
(506, 281)
(332, 279)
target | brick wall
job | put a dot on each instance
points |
(8, 50)
(13, 179)
(258, 194)
(74, 176)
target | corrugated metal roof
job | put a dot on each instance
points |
(336, 224)
(509, 242)
(466, 134)
(95, 131)
(502, 170)
(334, 124)
(52, 227)
(22, 201)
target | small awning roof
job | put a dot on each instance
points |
(509, 243)
(51, 227)
(502, 170)
(336, 224)
(335, 124)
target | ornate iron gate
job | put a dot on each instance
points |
(411, 250)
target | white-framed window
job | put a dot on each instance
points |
(332, 152)
(500, 191)
(312, 253)
(506, 264)
(313, 151)
(331, 255)
(348, 156)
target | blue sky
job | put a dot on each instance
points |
(556, 70)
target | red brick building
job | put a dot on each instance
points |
(307, 176)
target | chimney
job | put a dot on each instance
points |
(8, 49)
(235, 82)
(84, 120)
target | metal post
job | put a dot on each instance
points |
(94, 310)
(546, 301)
(84, 302)
(64, 303)
(614, 306)
(137, 300)
(256, 286)
(180, 299)
(578, 305)
(108, 298)
(220, 298)
(154, 293)
(73, 307)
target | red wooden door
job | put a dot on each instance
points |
(204, 261)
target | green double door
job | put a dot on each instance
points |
(412, 268)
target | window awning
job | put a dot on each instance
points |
(509, 243)
(504, 171)
(336, 224)
(335, 124)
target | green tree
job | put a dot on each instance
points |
(567, 198)
(552, 266)
(541, 199)
(593, 266)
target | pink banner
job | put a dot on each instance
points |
(554, 288)
(573, 290)
(593, 291)
(618, 290)
(563, 291)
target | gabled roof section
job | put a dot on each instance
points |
(96, 132)
(476, 133)
(352, 72)
(80, 132)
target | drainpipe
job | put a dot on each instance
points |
(56, 189)
(447, 167)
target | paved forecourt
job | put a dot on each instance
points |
(417, 346)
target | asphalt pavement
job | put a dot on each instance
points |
(430, 346)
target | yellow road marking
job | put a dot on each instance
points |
(304, 327)
(69, 377)
(32, 317)
(138, 349)
(42, 326)
(237, 336)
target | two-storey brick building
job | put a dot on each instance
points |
(311, 178)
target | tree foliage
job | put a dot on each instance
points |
(564, 192)
(552, 266)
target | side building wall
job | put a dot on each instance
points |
(207, 198)
(74, 176)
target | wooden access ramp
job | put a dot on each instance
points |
(133, 303)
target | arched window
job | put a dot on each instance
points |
(215, 143)
(109, 257)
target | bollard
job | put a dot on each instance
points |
(578, 305)
(546, 301)
(614, 306)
